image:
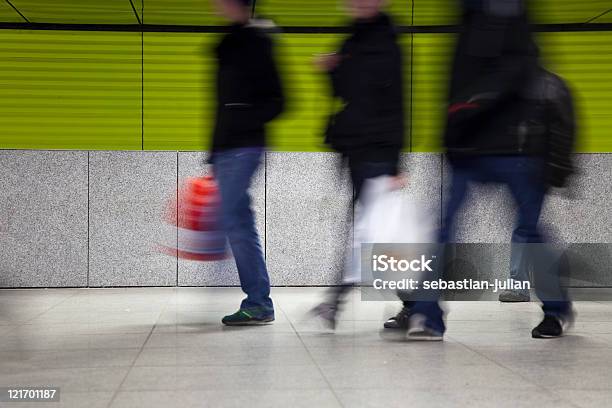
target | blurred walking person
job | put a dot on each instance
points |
(509, 122)
(366, 74)
(249, 95)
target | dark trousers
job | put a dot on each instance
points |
(523, 176)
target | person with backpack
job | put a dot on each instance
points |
(366, 75)
(249, 95)
(508, 122)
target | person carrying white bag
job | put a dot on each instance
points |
(366, 75)
(384, 214)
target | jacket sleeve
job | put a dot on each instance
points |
(391, 87)
(562, 135)
(337, 75)
(270, 99)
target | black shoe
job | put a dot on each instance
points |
(399, 321)
(247, 317)
(551, 327)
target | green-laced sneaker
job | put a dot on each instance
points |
(248, 317)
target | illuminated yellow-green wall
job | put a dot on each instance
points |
(126, 91)
(446, 12)
(178, 90)
(584, 60)
(323, 13)
(70, 90)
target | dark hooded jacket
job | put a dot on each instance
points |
(495, 60)
(501, 100)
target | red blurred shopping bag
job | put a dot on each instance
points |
(196, 213)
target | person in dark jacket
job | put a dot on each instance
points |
(366, 75)
(249, 95)
(508, 122)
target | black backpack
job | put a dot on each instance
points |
(560, 124)
(538, 120)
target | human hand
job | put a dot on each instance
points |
(398, 182)
(327, 62)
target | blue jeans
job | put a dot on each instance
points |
(523, 176)
(234, 170)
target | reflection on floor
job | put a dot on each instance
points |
(165, 347)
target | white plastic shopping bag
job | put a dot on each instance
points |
(385, 215)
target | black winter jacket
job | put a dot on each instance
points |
(495, 59)
(368, 80)
(501, 100)
(249, 91)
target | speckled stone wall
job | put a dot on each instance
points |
(308, 216)
(580, 214)
(128, 192)
(43, 218)
(95, 218)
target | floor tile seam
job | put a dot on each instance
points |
(319, 369)
(131, 367)
(523, 377)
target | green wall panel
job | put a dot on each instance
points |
(432, 59)
(77, 11)
(138, 5)
(178, 90)
(70, 90)
(606, 18)
(444, 12)
(284, 12)
(309, 103)
(181, 12)
(556, 11)
(585, 61)
(322, 13)
(7, 14)
(436, 12)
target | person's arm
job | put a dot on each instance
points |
(270, 96)
(562, 133)
(334, 65)
(336, 77)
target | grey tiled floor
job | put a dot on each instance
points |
(165, 347)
